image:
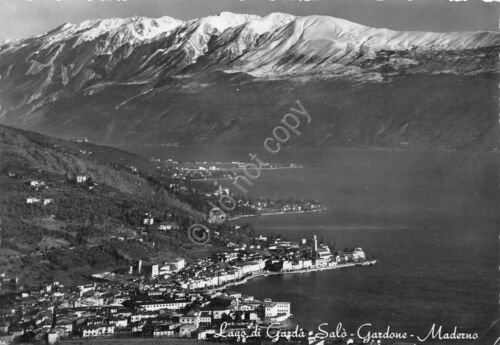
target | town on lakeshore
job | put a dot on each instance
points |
(160, 282)
(224, 172)
(188, 177)
(174, 299)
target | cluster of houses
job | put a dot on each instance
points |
(129, 309)
(35, 200)
(186, 172)
(174, 299)
(304, 206)
(7, 282)
(85, 152)
(261, 206)
(148, 220)
(38, 185)
(290, 256)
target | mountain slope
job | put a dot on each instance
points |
(79, 228)
(122, 80)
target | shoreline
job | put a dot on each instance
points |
(241, 169)
(317, 269)
(278, 213)
(301, 271)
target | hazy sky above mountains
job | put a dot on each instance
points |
(24, 18)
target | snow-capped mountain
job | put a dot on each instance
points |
(113, 66)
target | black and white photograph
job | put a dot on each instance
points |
(275, 172)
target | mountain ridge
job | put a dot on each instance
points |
(114, 67)
(227, 20)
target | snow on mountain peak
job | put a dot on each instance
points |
(276, 44)
(270, 22)
(316, 28)
(224, 21)
(148, 28)
(138, 28)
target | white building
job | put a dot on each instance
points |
(148, 219)
(251, 267)
(81, 178)
(248, 306)
(167, 227)
(283, 308)
(155, 271)
(120, 322)
(36, 183)
(52, 337)
(165, 270)
(321, 262)
(324, 252)
(176, 265)
(142, 316)
(166, 304)
(306, 263)
(205, 319)
(227, 277)
(163, 332)
(98, 331)
(287, 266)
(274, 309)
(358, 254)
(190, 319)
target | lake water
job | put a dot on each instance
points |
(431, 219)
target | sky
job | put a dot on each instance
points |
(25, 18)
